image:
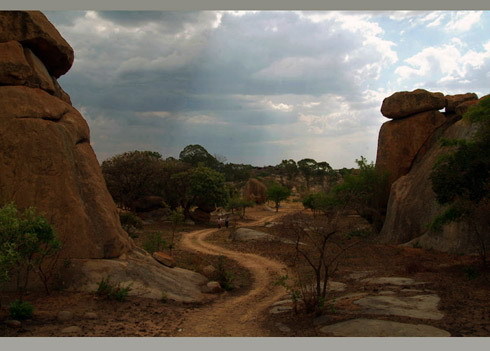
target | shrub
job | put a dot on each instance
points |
(21, 310)
(224, 277)
(154, 242)
(26, 240)
(130, 223)
(112, 291)
(278, 193)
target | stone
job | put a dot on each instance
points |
(164, 259)
(72, 329)
(335, 286)
(280, 309)
(412, 204)
(209, 271)
(254, 190)
(41, 77)
(452, 101)
(34, 31)
(90, 315)
(147, 277)
(419, 306)
(213, 288)
(64, 316)
(401, 141)
(399, 281)
(62, 179)
(12, 323)
(464, 106)
(283, 328)
(404, 103)
(283, 302)
(14, 68)
(247, 234)
(381, 328)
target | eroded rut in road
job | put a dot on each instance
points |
(235, 316)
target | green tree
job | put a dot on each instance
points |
(288, 169)
(196, 154)
(26, 240)
(307, 168)
(367, 191)
(202, 187)
(322, 202)
(461, 178)
(132, 175)
(278, 193)
(239, 204)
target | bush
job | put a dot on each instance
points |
(130, 223)
(154, 242)
(278, 193)
(224, 277)
(21, 310)
(26, 240)
(112, 291)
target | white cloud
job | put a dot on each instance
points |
(463, 21)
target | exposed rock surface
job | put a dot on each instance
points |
(404, 103)
(255, 190)
(45, 153)
(64, 316)
(212, 288)
(164, 259)
(246, 234)
(34, 31)
(72, 329)
(147, 277)
(452, 101)
(412, 205)
(401, 140)
(419, 306)
(380, 328)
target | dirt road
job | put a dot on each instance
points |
(235, 316)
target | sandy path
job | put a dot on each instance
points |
(236, 316)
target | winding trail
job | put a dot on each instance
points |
(241, 315)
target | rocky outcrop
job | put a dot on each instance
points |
(452, 101)
(401, 140)
(404, 103)
(412, 204)
(45, 153)
(34, 31)
(256, 191)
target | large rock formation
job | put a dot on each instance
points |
(412, 204)
(47, 162)
(45, 151)
(404, 103)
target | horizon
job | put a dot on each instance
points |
(258, 87)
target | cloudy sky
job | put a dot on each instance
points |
(259, 87)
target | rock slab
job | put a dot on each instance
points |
(419, 306)
(404, 103)
(380, 328)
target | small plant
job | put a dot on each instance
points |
(130, 223)
(154, 242)
(21, 310)
(224, 277)
(112, 291)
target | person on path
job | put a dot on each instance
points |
(220, 222)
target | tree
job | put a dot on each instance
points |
(319, 247)
(324, 172)
(132, 175)
(278, 193)
(322, 202)
(307, 167)
(461, 179)
(196, 154)
(288, 169)
(202, 187)
(240, 204)
(367, 191)
(26, 241)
